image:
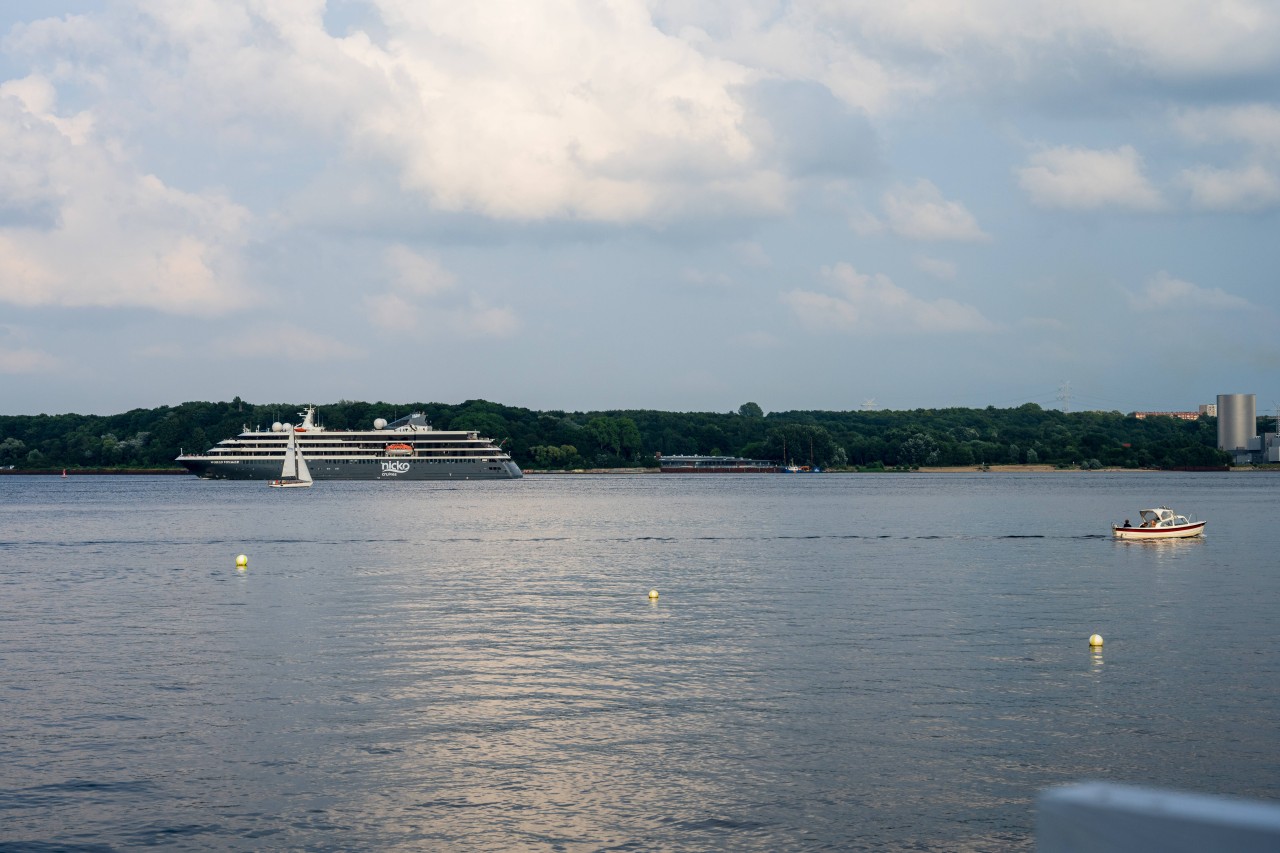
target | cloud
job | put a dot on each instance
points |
(873, 303)
(414, 279)
(1251, 188)
(15, 362)
(1088, 179)
(392, 312)
(757, 340)
(884, 58)
(1166, 293)
(1186, 38)
(288, 342)
(423, 295)
(473, 318)
(417, 274)
(919, 212)
(81, 226)
(519, 112)
(617, 113)
(703, 279)
(937, 267)
(751, 254)
(803, 128)
(1256, 125)
(479, 319)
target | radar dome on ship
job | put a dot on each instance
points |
(380, 423)
(277, 427)
(286, 427)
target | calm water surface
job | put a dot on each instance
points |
(846, 662)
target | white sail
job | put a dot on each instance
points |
(290, 470)
(294, 472)
(300, 465)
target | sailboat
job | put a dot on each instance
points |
(295, 474)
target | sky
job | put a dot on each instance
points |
(665, 205)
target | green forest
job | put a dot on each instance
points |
(557, 440)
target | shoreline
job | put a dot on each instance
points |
(961, 469)
(57, 472)
(536, 472)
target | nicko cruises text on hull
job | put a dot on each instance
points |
(407, 449)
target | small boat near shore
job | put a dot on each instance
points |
(1159, 523)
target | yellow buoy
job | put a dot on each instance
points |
(653, 595)
(1095, 640)
(242, 561)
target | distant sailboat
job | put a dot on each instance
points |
(295, 474)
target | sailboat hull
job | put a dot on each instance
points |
(289, 484)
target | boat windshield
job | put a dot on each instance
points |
(1162, 517)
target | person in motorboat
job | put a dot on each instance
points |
(1127, 524)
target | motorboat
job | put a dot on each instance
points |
(1159, 523)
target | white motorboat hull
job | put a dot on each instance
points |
(1182, 531)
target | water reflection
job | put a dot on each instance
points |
(436, 667)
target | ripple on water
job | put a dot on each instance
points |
(481, 667)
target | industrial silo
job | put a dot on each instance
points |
(1237, 421)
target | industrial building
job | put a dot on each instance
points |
(1238, 431)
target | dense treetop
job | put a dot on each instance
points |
(151, 438)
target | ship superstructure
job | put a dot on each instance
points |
(407, 449)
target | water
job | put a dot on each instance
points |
(854, 662)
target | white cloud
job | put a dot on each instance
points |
(616, 113)
(83, 227)
(919, 212)
(860, 302)
(473, 318)
(1251, 188)
(757, 340)
(479, 319)
(1256, 125)
(1184, 38)
(1088, 179)
(392, 312)
(864, 223)
(937, 267)
(424, 298)
(1164, 292)
(522, 111)
(751, 254)
(1041, 324)
(288, 342)
(417, 274)
(705, 279)
(26, 360)
(882, 57)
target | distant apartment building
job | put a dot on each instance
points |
(1208, 409)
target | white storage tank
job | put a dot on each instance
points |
(1237, 422)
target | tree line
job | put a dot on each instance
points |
(867, 440)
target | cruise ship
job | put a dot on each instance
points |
(406, 449)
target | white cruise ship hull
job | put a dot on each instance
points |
(363, 469)
(409, 449)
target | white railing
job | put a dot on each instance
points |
(1101, 817)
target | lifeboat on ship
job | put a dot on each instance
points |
(399, 450)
